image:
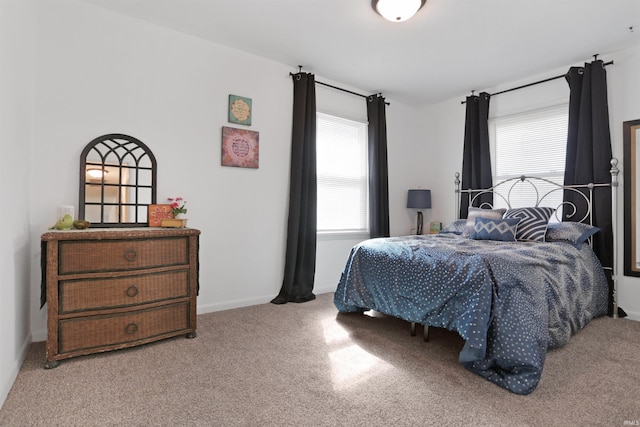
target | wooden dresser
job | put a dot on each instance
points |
(108, 289)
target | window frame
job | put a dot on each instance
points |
(532, 112)
(348, 233)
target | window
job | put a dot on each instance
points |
(533, 144)
(342, 175)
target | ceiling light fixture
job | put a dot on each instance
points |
(397, 10)
(96, 173)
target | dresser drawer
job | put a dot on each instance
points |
(102, 331)
(88, 256)
(96, 294)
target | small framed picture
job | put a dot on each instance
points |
(157, 213)
(435, 227)
(239, 110)
(240, 148)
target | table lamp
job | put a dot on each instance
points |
(419, 199)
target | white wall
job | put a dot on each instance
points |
(72, 71)
(445, 123)
(99, 72)
(624, 92)
(17, 30)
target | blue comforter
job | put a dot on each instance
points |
(510, 301)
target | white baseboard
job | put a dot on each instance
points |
(228, 305)
(39, 335)
(632, 315)
(10, 373)
(324, 289)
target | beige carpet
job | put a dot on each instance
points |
(305, 364)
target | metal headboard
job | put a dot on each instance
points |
(505, 189)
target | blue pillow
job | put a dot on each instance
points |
(533, 222)
(575, 233)
(503, 230)
(455, 227)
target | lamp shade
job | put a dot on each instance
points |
(419, 199)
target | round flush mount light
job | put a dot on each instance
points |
(97, 173)
(397, 10)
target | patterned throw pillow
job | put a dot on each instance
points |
(455, 227)
(503, 230)
(483, 213)
(575, 233)
(533, 222)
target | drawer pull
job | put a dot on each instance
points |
(132, 291)
(130, 255)
(131, 328)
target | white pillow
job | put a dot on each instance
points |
(482, 213)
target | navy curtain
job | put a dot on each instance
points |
(378, 169)
(476, 157)
(300, 258)
(589, 155)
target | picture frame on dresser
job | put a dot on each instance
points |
(158, 213)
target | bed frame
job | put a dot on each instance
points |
(585, 191)
(504, 190)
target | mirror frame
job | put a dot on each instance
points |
(123, 147)
(631, 129)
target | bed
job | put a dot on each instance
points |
(510, 300)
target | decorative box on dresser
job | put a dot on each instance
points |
(108, 289)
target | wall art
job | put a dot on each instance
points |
(240, 148)
(240, 110)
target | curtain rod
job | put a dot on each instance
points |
(341, 89)
(530, 84)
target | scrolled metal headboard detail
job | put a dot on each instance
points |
(505, 189)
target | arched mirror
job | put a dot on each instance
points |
(117, 182)
(631, 198)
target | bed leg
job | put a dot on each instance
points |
(426, 333)
(413, 329)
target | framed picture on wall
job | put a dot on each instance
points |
(240, 148)
(240, 110)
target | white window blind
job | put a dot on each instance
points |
(342, 174)
(533, 144)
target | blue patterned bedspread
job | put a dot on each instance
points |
(510, 301)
